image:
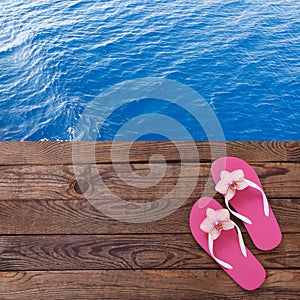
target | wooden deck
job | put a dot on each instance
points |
(55, 245)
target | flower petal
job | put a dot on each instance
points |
(237, 175)
(242, 185)
(227, 225)
(223, 215)
(225, 176)
(207, 225)
(230, 194)
(211, 214)
(215, 233)
(222, 187)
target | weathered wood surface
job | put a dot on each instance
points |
(143, 284)
(55, 245)
(14, 153)
(80, 217)
(114, 252)
(280, 180)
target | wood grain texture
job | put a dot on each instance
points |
(143, 284)
(54, 244)
(109, 252)
(80, 217)
(57, 182)
(13, 153)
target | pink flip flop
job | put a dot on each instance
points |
(222, 239)
(239, 184)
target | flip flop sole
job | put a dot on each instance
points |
(264, 231)
(247, 271)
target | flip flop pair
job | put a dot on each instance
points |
(220, 237)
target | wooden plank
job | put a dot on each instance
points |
(61, 152)
(39, 195)
(280, 180)
(143, 284)
(109, 252)
(80, 217)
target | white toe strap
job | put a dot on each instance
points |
(265, 203)
(211, 250)
(219, 261)
(241, 240)
(241, 217)
(265, 200)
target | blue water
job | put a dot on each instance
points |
(242, 57)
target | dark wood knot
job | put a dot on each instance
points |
(81, 186)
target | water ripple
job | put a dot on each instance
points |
(242, 57)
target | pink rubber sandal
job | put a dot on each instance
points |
(214, 231)
(239, 184)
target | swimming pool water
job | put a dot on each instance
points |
(242, 57)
